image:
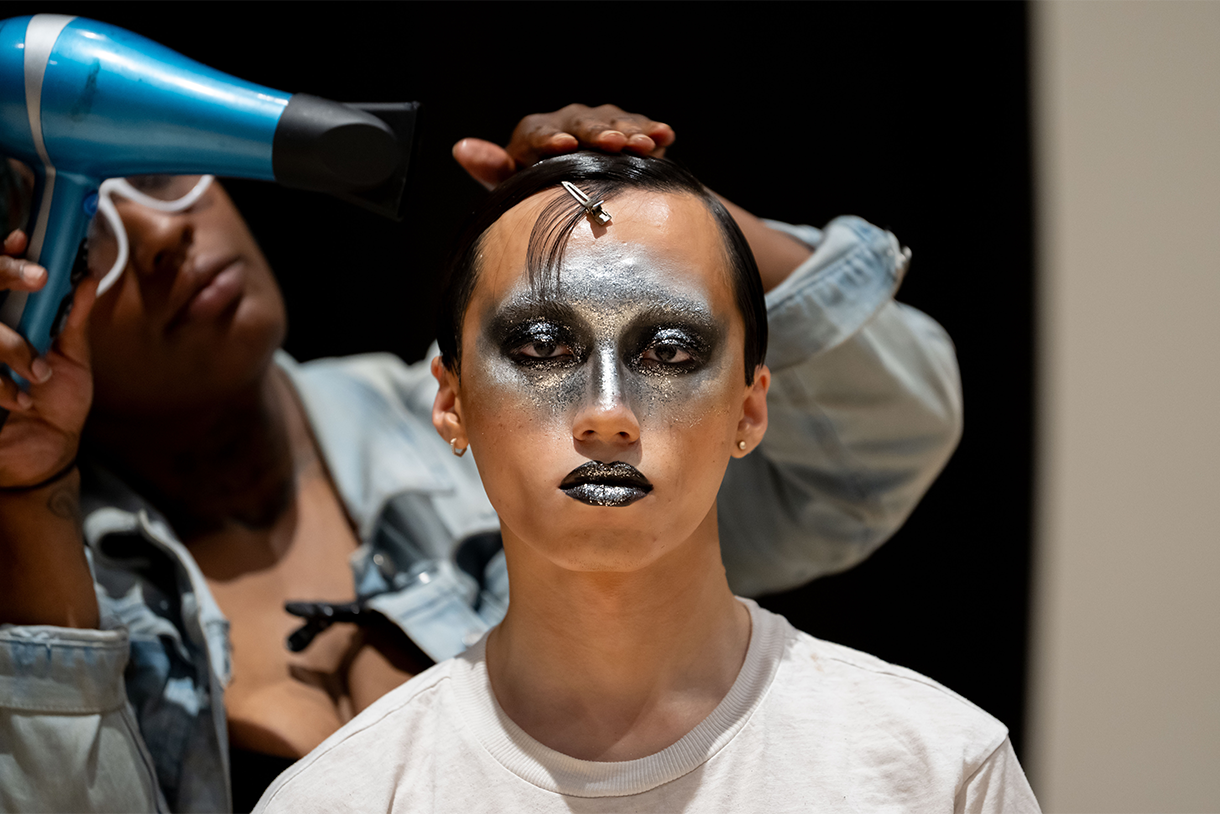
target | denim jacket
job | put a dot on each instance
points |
(864, 411)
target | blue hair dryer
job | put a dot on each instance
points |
(82, 101)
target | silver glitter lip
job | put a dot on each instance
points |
(612, 484)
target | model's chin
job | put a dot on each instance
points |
(601, 494)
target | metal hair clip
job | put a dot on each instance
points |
(593, 210)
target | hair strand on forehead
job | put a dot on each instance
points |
(549, 241)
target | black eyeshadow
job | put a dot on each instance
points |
(697, 336)
(549, 323)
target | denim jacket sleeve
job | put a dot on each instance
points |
(865, 409)
(129, 717)
(68, 737)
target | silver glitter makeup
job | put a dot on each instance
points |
(619, 356)
(618, 328)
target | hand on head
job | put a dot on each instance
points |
(606, 127)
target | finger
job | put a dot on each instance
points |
(611, 128)
(607, 127)
(660, 134)
(555, 143)
(15, 273)
(604, 137)
(21, 358)
(640, 145)
(489, 164)
(537, 137)
(14, 242)
(546, 140)
(73, 340)
(643, 135)
(588, 123)
(12, 397)
(21, 275)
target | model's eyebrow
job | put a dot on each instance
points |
(681, 309)
(668, 312)
(690, 315)
(513, 314)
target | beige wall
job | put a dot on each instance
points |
(1125, 704)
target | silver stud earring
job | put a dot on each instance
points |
(454, 448)
(741, 445)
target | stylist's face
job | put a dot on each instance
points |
(602, 417)
(196, 315)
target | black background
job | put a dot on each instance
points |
(912, 115)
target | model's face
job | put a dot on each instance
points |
(603, 415)
(196, 315)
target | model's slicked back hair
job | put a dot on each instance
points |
(601, 176)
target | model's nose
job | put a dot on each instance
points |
(159, 240)
(606, 413)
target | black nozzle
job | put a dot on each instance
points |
(359, 155)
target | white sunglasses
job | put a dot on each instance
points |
(121, 186)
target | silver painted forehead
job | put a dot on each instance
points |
(611, 278)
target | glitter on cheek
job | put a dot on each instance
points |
(536, 393)
(556, 395)
(666, 400)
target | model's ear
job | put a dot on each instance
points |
(447, 408)
(753, 424)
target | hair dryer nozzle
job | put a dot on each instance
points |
(359, 153)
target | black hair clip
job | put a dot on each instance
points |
(319, 616)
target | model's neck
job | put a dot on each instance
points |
(207, 465)
(617, 666)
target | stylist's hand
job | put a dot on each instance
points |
(42, 432)
(606, 127)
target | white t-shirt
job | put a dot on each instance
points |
(807, 726)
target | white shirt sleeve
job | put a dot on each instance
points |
(998, 786)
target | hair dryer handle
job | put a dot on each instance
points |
(59, 200)
(59, 207)
(57, 204)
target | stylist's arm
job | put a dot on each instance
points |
(44, 576)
